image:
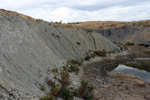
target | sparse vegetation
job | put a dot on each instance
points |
(47, 97)
(64, 78)
(55, 70)
(54, 90)
(92, 55)
(146, 45)
(49, 82)
(76, 62)
(73, 68)
(110, 68)
(100, 53)
(61, 90)
(130, 43)
(42, 87)
(78, 43)
(141, 64)
(65, 93)
(111, 52)
(87, 58)
(85, 91)
(143, 44)
(65, 68)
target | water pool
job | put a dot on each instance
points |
(142, 74)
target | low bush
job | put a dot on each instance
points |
(64, 78)
(92, 55)
(85, 91)
(65, 68)
(87, 58)
(42, 87)
(111, 52)
(130, 43)
(142, 44)
(76, 62)
(141, 64)
(55, 70)
(102, 53)
(49, 82)
(73, 68)
(146, 45)
(54, 90)
(65, 93)
(47, 97)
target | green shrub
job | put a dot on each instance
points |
(85, 91)
(141, 64)
(73, 68)
(42, 87)
(121, 48)
(55, 70)
(54, 90)
(76, 93)
(104, 52)
(47, 97)
(111, 52)
(76, 62)
(64, 78)
(87, 58)
(96, 52)
(65, 68)
(49, 82)
(65, 93)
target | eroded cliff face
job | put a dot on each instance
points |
(29, 48)
(133, 32)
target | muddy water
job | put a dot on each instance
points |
(142, 74)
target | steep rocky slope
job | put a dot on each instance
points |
(136, 31)
(29, 48)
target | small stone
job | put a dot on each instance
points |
(59, 99)
(76, 98)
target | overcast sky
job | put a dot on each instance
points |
(81, 10)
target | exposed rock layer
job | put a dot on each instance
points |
(128, 33)
(29, 48)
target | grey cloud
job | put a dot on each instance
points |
(77, 10)
(123, 3)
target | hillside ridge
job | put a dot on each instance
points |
(29, 49)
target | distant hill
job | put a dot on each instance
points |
(136, 31)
